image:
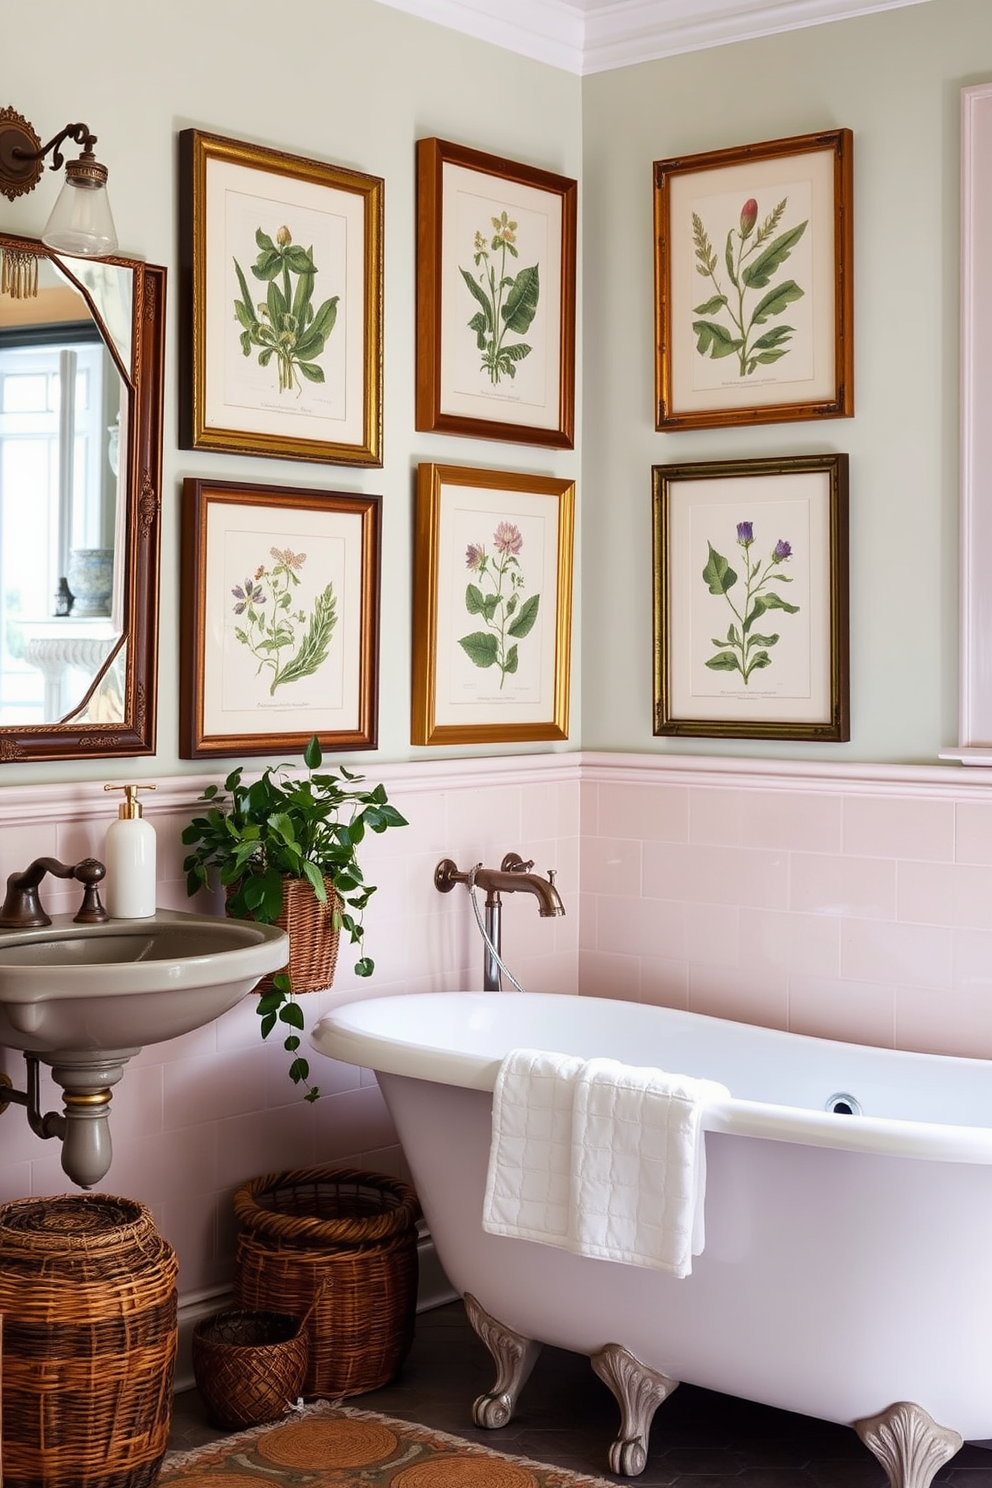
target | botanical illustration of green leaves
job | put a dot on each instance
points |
(287, 643)
(507, 302)
(744, 649)
(734, 317)
(285, 326)
(497, 597)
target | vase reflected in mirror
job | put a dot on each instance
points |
(91, 579)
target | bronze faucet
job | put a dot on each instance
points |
(22, 908)
(511, 877)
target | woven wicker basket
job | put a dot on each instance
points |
(341, 1245)
(88, 1297)
(313, 938)
(249, 1367)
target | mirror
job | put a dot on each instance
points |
(81, 376)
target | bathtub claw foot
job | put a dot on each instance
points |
(514, 1357)
(908, 1443)
(638, 1391)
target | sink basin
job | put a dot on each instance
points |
(126, 983)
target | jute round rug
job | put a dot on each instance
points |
(329, 1444)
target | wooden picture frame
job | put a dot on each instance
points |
(751, 599)
(282, 275)
(974, 746)
(754, 296)
(279, 590)
(492, 606)
(495, 297)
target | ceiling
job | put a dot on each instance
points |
(584, 36)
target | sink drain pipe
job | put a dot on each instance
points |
(84, 1127)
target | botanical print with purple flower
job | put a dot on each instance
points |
(495, 594)
(288, 643)
(744, 649)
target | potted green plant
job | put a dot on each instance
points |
(290, 834)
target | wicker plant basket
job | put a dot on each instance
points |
(88, 1297)
(341, 1245)
(313, 938)
(249, 1367)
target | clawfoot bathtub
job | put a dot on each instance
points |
(846, 1272)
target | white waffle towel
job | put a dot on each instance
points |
(600, 1158)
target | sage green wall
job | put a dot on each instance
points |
(356, 83)
(895, 80)
(349, 81)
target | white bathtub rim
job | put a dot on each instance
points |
(367, 1033)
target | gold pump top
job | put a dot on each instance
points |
(130, 807)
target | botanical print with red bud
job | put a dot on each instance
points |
(750, 262)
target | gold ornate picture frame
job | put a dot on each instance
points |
(492, 606)
(282, 275)
(495, 297)
(751, 598)
(754, 301)
(279, 619)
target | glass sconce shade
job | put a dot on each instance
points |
(81, 223)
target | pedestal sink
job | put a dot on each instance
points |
(84, 998)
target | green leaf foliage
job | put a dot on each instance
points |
(718, 574)
(481, 648)
(711, 306)
(759, 273)
(523, 623)
(724, 661)
(769, 601)
(521, 301)
(714, 340)
(285, 328)
(775, 301)
(254, 834)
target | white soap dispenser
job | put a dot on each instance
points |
(129, 850)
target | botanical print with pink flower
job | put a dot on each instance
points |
(289, 640)
(495, 595)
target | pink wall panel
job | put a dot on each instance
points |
(847, 902)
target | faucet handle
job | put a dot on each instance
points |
(89, 872)
(514, 863)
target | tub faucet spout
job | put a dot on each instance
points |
(513, 876)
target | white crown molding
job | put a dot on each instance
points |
(551, 31)
(585, 36)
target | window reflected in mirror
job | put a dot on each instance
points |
(80, 451)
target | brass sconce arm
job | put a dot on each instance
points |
(79, 134)
(87, 230)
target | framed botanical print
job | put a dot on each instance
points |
(754, 303)
(751, 598)
(492, 606)
(279, 619)
(495, 297)
(282, 304)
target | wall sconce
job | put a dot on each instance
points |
(81, 223)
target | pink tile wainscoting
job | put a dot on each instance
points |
(849, 902)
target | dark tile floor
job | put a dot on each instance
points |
(566, 1416)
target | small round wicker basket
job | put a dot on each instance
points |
(313, 937)
(249, 1367)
